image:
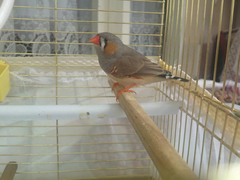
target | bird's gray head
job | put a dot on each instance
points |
(106, 43)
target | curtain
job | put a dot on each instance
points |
(41, 36)
(146, 29)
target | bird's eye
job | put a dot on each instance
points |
(103, 42)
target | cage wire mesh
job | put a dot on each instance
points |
(199, 39)
(52, 63)
(46, 44)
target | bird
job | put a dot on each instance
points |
(125, 66)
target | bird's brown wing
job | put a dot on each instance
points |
(151, 69)
(128, 65)
(133, 63)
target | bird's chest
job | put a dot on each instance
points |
(107, 64)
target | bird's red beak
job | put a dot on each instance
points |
(95, 40)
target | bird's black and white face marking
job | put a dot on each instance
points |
(103, 43)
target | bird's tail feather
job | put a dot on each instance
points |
(180, 79)
(167, 76)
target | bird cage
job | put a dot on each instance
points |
(60, 119)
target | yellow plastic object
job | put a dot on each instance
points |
(4, 80)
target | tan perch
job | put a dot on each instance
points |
(167, 160)
(9, 171)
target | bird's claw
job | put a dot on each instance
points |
(114, 85)
(124, 90)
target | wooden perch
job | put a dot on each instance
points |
(9, 171)
(168, 162)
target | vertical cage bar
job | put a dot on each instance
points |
(236, 81)
(205, 76)
(161, 32)
(200, 55)
(195, 42)
(228, 48)
(208, 45)
(185, 26)
(169, 39)
(178, 54)
(220, 149)
(56, 62)
(217, 47)
(165, 33)
(184, 36)
(211, 142)
(188, 98)
(173, 34)
(232, 145)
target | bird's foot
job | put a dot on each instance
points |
(126, 89)
(114, 85)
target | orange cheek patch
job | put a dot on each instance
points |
(110, 48)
